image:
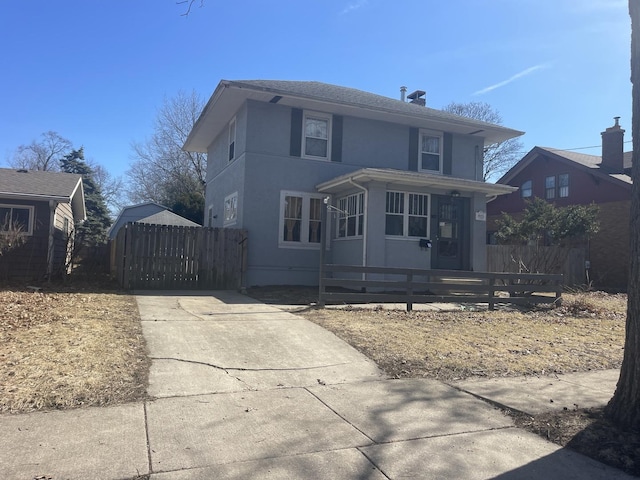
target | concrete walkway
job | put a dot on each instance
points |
(245, 390)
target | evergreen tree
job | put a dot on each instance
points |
(93, 231)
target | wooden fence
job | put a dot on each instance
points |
(570, 261)
(429, 286)
(172, 257)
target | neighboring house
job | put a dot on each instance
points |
(46, 205)
(570, 178)
(149, 213)
(393, 172)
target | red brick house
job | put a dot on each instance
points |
(570, 178)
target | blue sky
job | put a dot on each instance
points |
(96, 71)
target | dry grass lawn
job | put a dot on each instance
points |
(587, 333)
(67, 349)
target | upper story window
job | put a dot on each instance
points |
(231, 209)
(407, 214)
(232, 139)
(563, 185)
(316, 135)
(430, 151)
(300, 219)
(16, 217)
(351, 216)
(550, 187)
(526, 189)
(210, 216)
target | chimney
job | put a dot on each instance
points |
(417, 98)
(403, 93)
(612, 148)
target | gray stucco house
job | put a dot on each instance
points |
(393, 172)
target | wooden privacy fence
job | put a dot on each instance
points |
(173, 257)
(570, 261)
(412, 285)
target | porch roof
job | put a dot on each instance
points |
(411, 179)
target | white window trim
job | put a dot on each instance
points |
(31, 209)
(232, 140)
(304, 227)
(321, 116)
(405, 215)
(230, 209)
(522, 195)
(565, 186)
(430, 133)
(340, 215)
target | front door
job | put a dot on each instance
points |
(450, 232)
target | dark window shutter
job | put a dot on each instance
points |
(295, 149)
(336, 139)
(447, 153)
(413, 149)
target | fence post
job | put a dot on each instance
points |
(409, 291)
(492, 292)
(559, 285)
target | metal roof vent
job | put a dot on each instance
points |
(418, 98)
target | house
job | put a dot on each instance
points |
(149, 213)
(46, 206)
(571, 178)
(392, 173)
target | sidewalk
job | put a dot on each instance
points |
(246, 390)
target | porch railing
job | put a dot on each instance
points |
(411, 286)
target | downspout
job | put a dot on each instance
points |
(50, 249)
(364, 224)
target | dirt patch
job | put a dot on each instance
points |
(586, 333)
(69, 348)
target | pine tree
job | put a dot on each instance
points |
(93, 231)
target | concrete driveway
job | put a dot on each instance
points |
(244, 390)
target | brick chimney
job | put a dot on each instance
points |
(612, 148)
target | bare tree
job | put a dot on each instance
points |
(624, 407)
(111, 187)
(498, 157)
(43, 154)
(162, 172)
(189, 4)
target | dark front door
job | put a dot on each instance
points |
(450, 232)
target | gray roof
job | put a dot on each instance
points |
(148, 213)
(167, 217)
(229, 95)
(44, 185)
(38, 183)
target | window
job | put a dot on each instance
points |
(563, 185)
(407, 214)
(300, 219)
(526, 190)
(230, 209)
(232, 139)
(430, 151)
(315, 135)
(351, 216)
(550, 187)
(210, 216)
(16, 217)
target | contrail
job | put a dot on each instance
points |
(523, 73)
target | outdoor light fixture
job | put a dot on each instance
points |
(455, 193)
